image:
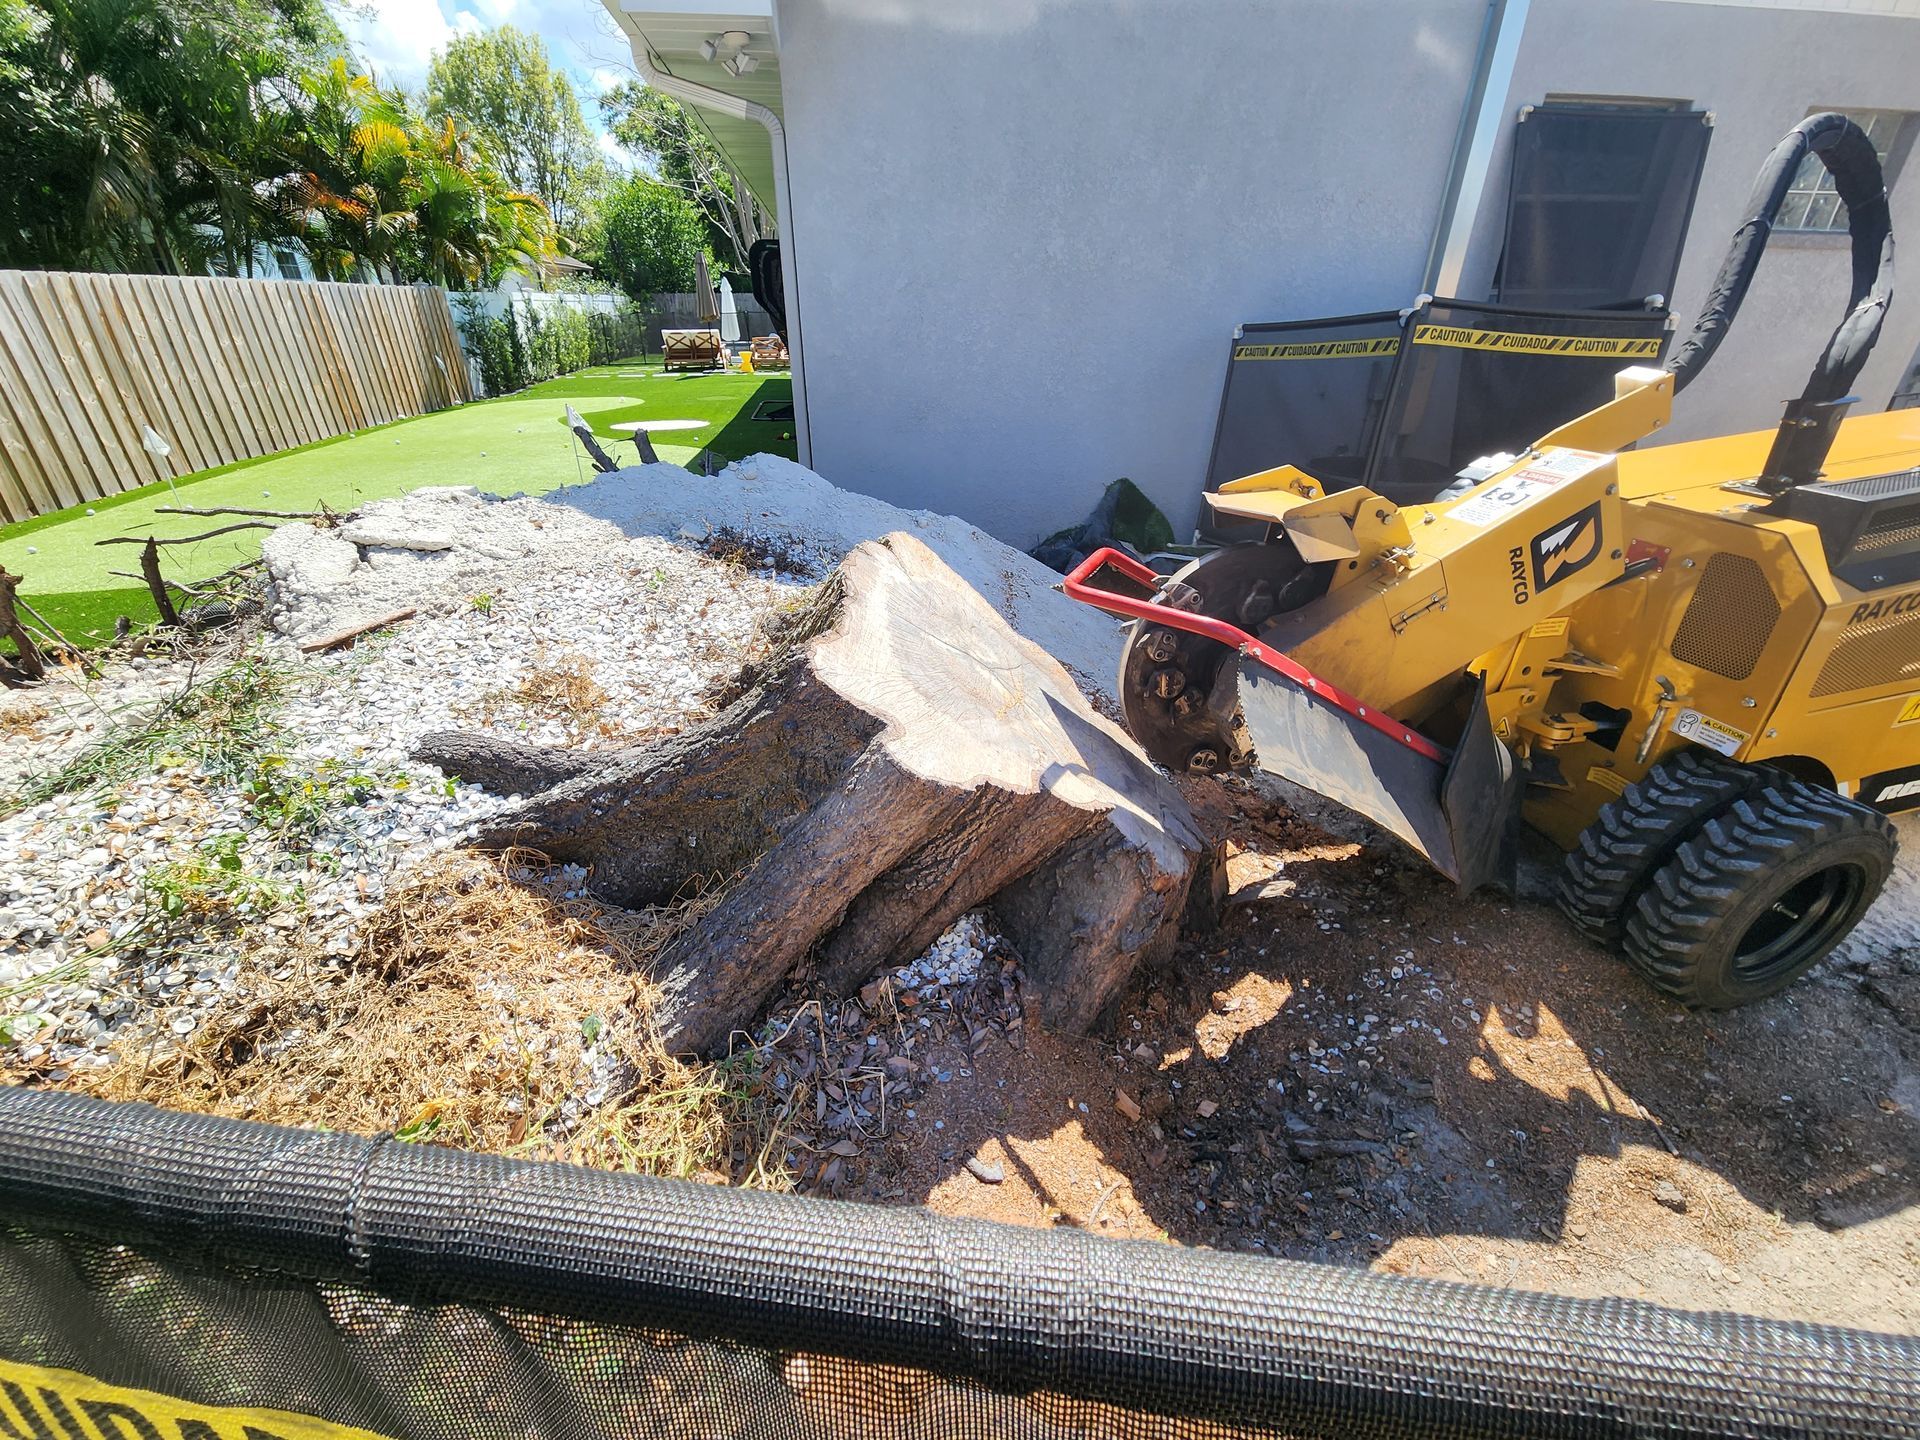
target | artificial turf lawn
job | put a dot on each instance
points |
(518, 442)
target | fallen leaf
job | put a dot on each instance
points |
(1126, 1105)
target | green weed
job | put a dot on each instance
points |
(220, 725)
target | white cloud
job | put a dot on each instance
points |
(397, 38)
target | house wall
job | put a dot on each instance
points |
(1025, 229)
(1759, 70)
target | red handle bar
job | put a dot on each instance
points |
(1077, 587)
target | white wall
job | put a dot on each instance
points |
(1760, 70)
(1025, 229)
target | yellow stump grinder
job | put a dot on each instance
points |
(1696, 668)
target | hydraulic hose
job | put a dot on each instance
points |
(1847, 153)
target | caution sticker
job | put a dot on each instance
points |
(1607, 779)
(1909, 712)
(37, 1403)
(1705, 730)
(1320, 349)
(1533, 481)
(1459, 338)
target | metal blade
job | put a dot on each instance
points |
(1458, 815)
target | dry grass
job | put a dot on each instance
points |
(756, 552)
(21, 719)
(553, 688)
(480, 1011)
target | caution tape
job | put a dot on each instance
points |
(1514, 342)
(1457, 337)
(1320, 349)
(39, 1403)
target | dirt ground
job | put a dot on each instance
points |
(1361, 1067)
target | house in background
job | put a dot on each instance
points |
(1017, 234)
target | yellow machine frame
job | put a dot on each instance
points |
(1589, 560)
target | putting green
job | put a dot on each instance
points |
(516, 443)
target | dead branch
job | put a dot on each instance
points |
(28, 667)
(185, 539)
(354, 632)
(156, 583)
(321, 514)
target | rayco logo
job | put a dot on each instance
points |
(1517, 563)
(1885, 609)
(1570, 546)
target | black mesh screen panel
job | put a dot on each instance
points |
(163, 1269)
(1599, 203)
(1308, 393)
(1476, 379)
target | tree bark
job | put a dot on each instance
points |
(903, 758)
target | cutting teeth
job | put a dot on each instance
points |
(1161, 645)
(1168, 683)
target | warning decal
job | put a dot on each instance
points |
(1607, 779)
(1320, 349)
(1459, 338)
(1531, 482)
(37, 1403)
(1705, 730)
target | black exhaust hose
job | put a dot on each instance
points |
(1843, 147)
(1300, 1349)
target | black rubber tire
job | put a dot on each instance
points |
(1759, 895)
(1633, 836)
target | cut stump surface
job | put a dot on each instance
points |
(902, 758)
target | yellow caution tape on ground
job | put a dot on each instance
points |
(1514, 342)
(1319, 349)
(39, 1403)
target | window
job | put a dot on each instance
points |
(288, 260)
(1811, 203)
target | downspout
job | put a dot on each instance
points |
(690, 92)
(1480, 120)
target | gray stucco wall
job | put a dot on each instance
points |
(1025, 229)
(1760, 71)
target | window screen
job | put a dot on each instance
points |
(1599, 203)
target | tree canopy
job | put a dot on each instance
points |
(499, 84)
(658, 128)
(181, 135)
(647, 238)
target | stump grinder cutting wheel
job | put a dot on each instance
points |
(1696, 667)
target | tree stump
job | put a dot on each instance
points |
(903, 757)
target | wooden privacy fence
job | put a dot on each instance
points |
(222, 370)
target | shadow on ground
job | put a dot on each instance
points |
(1361, 1058)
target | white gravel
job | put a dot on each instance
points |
(605, 581)
(89, 963)
(770, 498)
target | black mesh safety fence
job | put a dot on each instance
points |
(1401, 400)
(1599, 199)
(166, 1275)
(1473, 380)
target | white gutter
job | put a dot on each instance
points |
(1480, 120)
(689, 92)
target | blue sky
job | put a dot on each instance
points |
(397, 38)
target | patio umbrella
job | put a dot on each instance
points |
(703, 307)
